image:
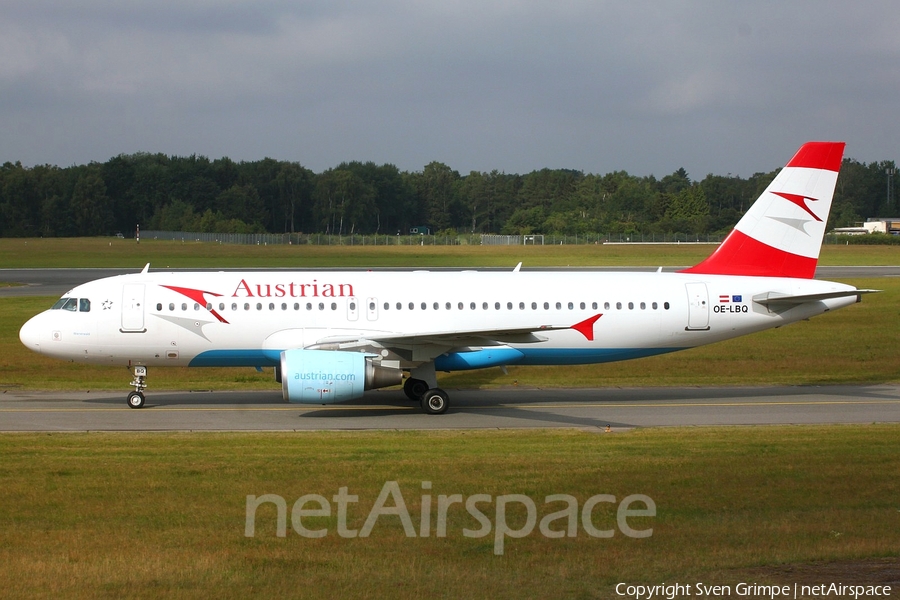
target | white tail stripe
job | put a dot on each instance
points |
(796, 226)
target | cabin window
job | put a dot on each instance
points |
(159, 306)
(334, 306)
(321, 306)
(234, 306)
(221, 306)
(594, 305)
(496, 306)
(399, 306)
(208, 306)
(296, 306)
(246, 306)
(571, 305)
(460, 306)
(353, 306)
(666, 305)
(309, 306)
(618, 306)
(558, 305)
(534, 306)
(424, 306)
(643, 305)
(472, 305)
(448, 306)
(412, 306)
(437, 305)
(606, 306)
(521, 306)
(654, 305)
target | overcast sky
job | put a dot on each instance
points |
(712, 86)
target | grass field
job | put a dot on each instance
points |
(152, 515)
(163, 515)
(114, 252)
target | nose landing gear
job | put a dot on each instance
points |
(136, 398)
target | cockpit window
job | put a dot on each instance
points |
(72, 304)
(66, 304)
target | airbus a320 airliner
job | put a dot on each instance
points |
(332, 335)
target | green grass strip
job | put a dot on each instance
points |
(163, 515)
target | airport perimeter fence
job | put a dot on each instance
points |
(321, 239)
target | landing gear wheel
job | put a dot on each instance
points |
(435, 401)
(135, 400)
(414, 389)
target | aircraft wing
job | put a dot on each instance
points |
(455, 338)
(450, 338)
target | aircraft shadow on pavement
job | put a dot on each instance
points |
(501, 407)
(199, 398)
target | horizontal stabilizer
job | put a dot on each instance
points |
(774, 298)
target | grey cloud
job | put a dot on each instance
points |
(515, 85)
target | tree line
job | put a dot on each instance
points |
(195, 193)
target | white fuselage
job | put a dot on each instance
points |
(249, 318)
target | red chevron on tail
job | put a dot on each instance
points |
(781, 234)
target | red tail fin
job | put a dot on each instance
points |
(781, 234)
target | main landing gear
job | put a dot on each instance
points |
(136, 398)
(434, 401)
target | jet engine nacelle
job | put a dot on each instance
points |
(326, 376)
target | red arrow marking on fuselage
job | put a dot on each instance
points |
(586, 327)
(197, 296)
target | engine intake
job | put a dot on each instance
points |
(326, 376)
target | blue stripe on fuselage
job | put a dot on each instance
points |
(453, 361)
(237, 358)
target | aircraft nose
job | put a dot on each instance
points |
(31, 334)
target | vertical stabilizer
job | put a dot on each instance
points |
(781, 234)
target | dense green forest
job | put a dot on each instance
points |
(195, 193)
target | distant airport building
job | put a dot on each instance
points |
(875, 225)
(420, 230)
